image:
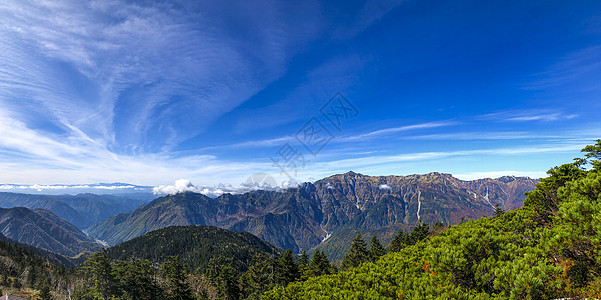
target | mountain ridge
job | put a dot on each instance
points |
(196, 245)
(44, 229)
(302, 217)
(81, 210)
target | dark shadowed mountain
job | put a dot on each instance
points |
(81, 210)
(44, 229)
(196, 246)
(303, 217)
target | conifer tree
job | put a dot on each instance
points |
(260, 277)
(498, 211)
(403, 239)
(303, 266)
(175, 273)
(357, 255)
(375, 249)
(44, 292)
(99, 270)
(288, 269)
(320, 264)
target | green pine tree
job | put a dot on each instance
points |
(98, 268)
(303, 266)
(375, 249)
(357, 255)
(44, 292)
(320, 264)
(404, 239)
(288, 269)
(498, 211)
(175, 274)
(260, 277)
(136, 279)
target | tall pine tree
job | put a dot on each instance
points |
(357, 255)
(303, 266)
(175, 274)
(98, 269)
(375, 249)
(288, 269)
(320, 264)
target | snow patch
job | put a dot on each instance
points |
(419, 203)
(328, 235)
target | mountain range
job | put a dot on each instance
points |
(301, 218)
(44, 229)
(82, 210)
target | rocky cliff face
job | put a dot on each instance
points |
(303, 217)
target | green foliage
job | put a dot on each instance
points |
(260, 277)
(44, 292)
(175, 274)
(303, 266)
(403, 239)
(288, 268)
(551, 248)
(196, 246)
(320, 264)
(498, 211)
(223, 276)
(135, 279)
(98, 270)
(376, 250)
(357, 255)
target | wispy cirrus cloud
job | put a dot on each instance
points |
(582, 65)
(392, 130)
(528, 115)
(185, 62)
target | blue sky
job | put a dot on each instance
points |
(150, 92)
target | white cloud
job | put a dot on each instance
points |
(180, 186)
(384, 187)
(392, 130)
(185, 185)
(497, 174)
(528, 115)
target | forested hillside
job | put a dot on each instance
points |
(196, 246)
(547, 249)
(24, 272)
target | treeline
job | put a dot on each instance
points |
(107, 278)
(103, 277)
(195, 246)
(22, 269)
(140, 279)
(548, 249)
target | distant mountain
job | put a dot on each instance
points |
(116, 188)
(196, 246)
(82, 210)
(303, 217)
(44, 229)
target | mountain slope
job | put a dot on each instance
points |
(196, 246)
(301, 218)
(44, 229)
(548, 249)
(82, 210)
